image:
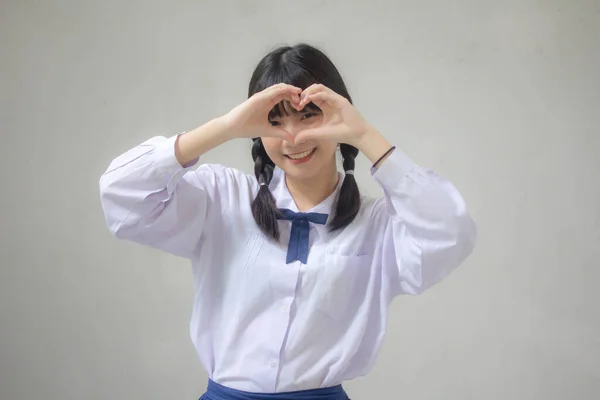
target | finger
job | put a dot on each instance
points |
(306, 95)
(312, 89)
(280, 88)
(292, 98)
(289, 93)
(323, 99)
(295, 97)
(274, 93)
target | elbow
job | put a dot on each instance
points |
(115, 214)
(116, 228)
(453, 251)
(431, 260)
(120, 227)
(115, 225)
(455, 239)
(466, 238)
(105, 186)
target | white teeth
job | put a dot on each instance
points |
(298, 156)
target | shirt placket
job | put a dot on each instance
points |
(284, 281)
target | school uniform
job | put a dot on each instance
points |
(301, 314)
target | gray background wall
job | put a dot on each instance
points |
(503, 98)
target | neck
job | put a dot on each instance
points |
(308, 193)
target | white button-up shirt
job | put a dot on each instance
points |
(259, 324)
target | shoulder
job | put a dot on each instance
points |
(368, 204)
(373, 209)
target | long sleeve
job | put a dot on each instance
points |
(149, 198)
(428, 232)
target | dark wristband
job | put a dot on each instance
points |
(383, 156)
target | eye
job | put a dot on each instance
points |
(307, 116)
(274, 123)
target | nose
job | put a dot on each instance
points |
(291, 126)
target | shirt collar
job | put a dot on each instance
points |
(284, 199)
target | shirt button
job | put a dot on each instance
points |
(273, 364)
(284, 308)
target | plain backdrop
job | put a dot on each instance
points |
(500, 97)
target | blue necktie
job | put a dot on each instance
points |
(298, 245)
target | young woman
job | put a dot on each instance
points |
(293, 269)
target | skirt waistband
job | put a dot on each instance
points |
(216, 391)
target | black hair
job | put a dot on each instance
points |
(300, 66)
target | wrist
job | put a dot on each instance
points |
(372, 144)
(225, 128)
(196, 142)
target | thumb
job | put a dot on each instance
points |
(308, 134)
(274, 131)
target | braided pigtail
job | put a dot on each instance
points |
(264, 208)
(347, 204)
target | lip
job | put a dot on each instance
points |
(301, 160)
(298, 152)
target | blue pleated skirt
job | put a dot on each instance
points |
(220, 392)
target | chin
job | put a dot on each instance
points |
(300, 175)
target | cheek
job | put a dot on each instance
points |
(272, 147)
(327, 148)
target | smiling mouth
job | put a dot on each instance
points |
(300, 156)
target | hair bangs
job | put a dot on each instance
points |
(282, 68)
(291, 74)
